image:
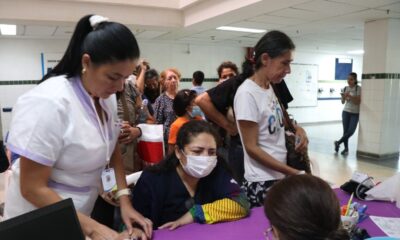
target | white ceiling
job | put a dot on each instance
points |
(334, 26)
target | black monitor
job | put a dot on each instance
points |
(57, 221)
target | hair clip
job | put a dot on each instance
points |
(95, 20)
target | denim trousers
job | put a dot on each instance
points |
(350, 121)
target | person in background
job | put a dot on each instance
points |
(259, 117)
(151, 88)
(190, 185)
(226, 70)
(65, 152)
(163, 111)
(351, 97)
(185, 111)
(197, 81)
(303, 207)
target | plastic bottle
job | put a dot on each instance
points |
(143, 111)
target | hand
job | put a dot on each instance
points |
(130, 215)
(97, 231)
(136, 234)
(302, 135)
(144, 65)
(231, 128)
(185, 219)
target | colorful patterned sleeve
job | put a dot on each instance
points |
(232, 207)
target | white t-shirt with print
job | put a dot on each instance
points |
(259, 105)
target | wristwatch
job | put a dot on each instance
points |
(122, 192)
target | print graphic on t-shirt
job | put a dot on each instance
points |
(275, 121)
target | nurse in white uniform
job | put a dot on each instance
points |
(66, 129)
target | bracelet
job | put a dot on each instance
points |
(122, 192)
(140, 130)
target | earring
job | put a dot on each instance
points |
(83, 70)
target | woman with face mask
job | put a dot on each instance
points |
(191, 184)
(185, 111)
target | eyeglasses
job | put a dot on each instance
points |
(268, 234)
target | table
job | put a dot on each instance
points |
(253, 227)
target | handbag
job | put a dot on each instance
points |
(294, 159)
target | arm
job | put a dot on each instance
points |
(230, 208)
(140, 77)
(249, 135)
(128, 214)
(34, 178)
(301, 133)
(158, 110)
(355, 99)
(206, 105)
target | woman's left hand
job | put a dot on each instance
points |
(128, 134)
(185, 219)
(302, 135)
(130, 215)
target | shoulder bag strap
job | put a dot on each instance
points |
(287, 122)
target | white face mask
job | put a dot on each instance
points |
(199, 166)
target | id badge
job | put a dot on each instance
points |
(108, 179)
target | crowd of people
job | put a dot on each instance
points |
(225, 146)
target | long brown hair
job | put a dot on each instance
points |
(304, 207)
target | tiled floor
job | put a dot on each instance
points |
(334, 168)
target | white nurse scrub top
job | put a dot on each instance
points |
(56, 124)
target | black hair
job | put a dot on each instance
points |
(227, 64)
(198, 78)
(185, 135)
(182, 100)
(150, 74)
(108, 42)
(304, 207)
(354, 75)
(275, 43)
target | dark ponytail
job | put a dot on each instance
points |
(275, 43)
(109, 42)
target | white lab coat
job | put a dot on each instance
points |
(56, 124)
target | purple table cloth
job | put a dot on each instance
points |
(253, 227)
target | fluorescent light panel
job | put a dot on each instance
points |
(239, 29)
(356, 52)
(8, 29)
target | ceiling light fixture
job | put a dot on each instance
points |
(8, 29)
(239, 29)
(356, 52)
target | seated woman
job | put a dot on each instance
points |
(303, 207)
(185, 111)
(190, 185)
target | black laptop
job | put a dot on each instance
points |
(57, 221)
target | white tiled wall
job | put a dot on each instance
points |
(380, 117)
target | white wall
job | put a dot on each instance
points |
(20, 60)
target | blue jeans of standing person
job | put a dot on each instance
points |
(350, 121)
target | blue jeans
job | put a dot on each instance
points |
(350, 121)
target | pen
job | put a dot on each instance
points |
(348, 204)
